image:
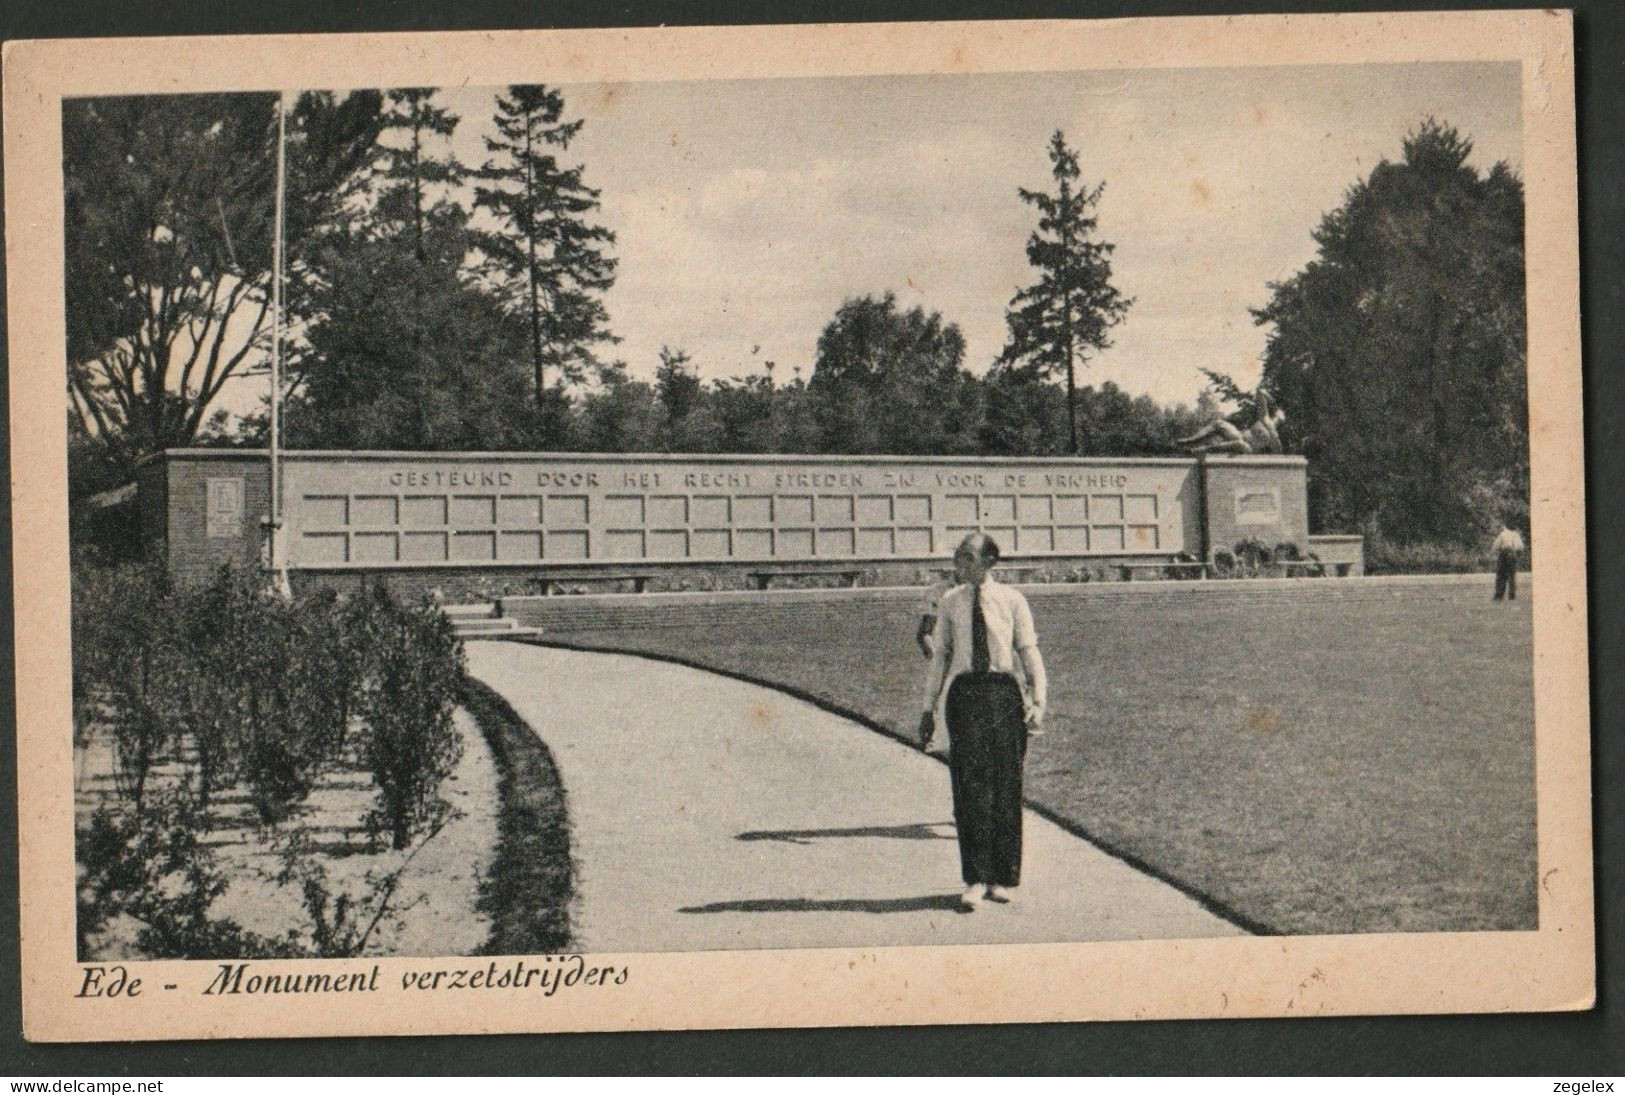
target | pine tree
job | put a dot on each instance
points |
(1055, 322)
(551, 261)
(410, 170)
(402, 348)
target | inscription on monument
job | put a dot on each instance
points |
(1258, 506)
(223, 508)
(498, 510)
(748, 480)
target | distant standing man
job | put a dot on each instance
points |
(982, 628)
(1507, 549)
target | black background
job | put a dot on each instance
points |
(1575, 1045)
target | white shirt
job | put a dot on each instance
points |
(1009, 630)
(1509, 540)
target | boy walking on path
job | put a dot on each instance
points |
(982, 629)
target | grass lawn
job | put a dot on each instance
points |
(1316, 766)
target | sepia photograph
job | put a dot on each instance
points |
(519, 530)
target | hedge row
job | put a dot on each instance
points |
(244, 688)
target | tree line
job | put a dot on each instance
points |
(438, 305)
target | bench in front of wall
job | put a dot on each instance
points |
(1004, 572)
(763, 578)
(1192, 569)
(639, 579)
(1312, 568)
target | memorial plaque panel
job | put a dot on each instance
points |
(375, 547)
(1071, 540)
(793, 544)
(753, 510)
(568, 547)
(874, 509)
(1032, 540)
(391, 509)
(713, 543)
(473, 547)
(223, 508)
(711, 510)
(1256, 506)
(913, 541)
(793, 509)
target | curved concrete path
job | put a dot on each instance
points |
(711, 814)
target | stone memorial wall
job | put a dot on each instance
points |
(470, 512)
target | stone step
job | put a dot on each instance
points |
(475, 627)
(505, 633)
(470, 612)
(471, 625)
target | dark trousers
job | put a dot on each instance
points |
(1506, 575)
(987, 738)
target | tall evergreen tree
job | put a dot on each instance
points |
(677, 384)
(551, 261)
(403, 348)
(410, 169)
(409, 354)
(1055, 322)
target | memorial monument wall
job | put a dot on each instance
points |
(419, 515)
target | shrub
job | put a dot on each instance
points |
(340, 923)
(1187, 571)
(128, 664)
(275, 688)
(155, 868)
(1383, 556)
(263, 703)
(414, 679)
(265, 692)
(156, 871)
(1253, 556)
(219, 623)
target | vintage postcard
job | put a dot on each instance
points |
(798, 526)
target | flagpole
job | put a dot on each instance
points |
(277, 559)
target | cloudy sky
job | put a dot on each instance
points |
(746, 211)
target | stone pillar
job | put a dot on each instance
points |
(1254, 497)
(215, 501)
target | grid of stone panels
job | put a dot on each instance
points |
(1083, 523)
(428, 528)
(425, 528)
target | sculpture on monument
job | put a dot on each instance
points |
(1224, 436)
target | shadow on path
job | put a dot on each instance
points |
(919, 830)
(932, 902)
